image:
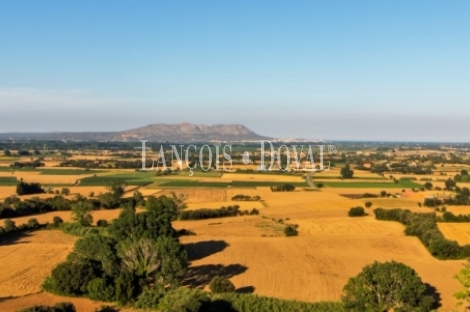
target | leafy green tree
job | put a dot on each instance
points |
(464, 172)
(57, 221)
(127, 287)
(346, 172)
(81, 212)
(33, 223)
(162, 262)
(9, 225)
(221, 284)
(70, 278)
(464, 279)
(450, 184)
(368, 204)
(185, 300)
(116, 188)
(389, 286)
(428, 186)
(101, 290)
(65, 191)
(99, 248)
(357, 212)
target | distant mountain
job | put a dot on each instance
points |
(183, 132)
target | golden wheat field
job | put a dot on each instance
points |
(252, 250)
(459, 232)
(26, 262)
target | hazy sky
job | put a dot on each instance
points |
(380, 70)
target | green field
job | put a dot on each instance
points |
(67, 171)
(403, 184)
(192, 183)
(106, 180)
(241, 184)
(314, 177)
(8, 181)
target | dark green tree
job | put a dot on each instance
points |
(346, 172)
(389, 286)
(81, 212)
(221, 284)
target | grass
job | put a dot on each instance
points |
(266, 183)
(241, 184)
(8, 181)
(193, 183)
(355, 178)
(106, 180)
(68, 172)
(402, 184)
(202, 174)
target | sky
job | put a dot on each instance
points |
(333, 70)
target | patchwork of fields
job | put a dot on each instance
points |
(251, 250)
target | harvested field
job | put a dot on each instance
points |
(459, 232)
(26, 262)
(282, 266)
(15, 304)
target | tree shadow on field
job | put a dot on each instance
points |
(201, 275)
(246, 290)
(14, 237)
(432, 291)
(200, 250)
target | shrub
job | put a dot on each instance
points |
(70, 278)
(58, 307)
(102, 223)
(221, 285)
(356, 212)
(107, 308)
(24, 188)
(98, 289)
(33, 223)
(233, 302)
(57, 221)
(9, 225)
(149, 298)
(290, 230)
(185, 300)
(368, 204)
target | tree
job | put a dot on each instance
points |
(464, 172)
(33, 223)
(7, 153)
(65, 191)
(368, 204)
(346, 172)
(57, 221)
(24, 188)
(9, 225)
(290, 230)
(389, 286)
(70, 278)
(464, 279)
(357, 212)
(428, 186)
(450, 184)
(100, 249)
(81, 212)
(221, 284)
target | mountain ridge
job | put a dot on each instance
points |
(160, 132)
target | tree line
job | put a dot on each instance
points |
(424, 226)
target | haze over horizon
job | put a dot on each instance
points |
(336, 70)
